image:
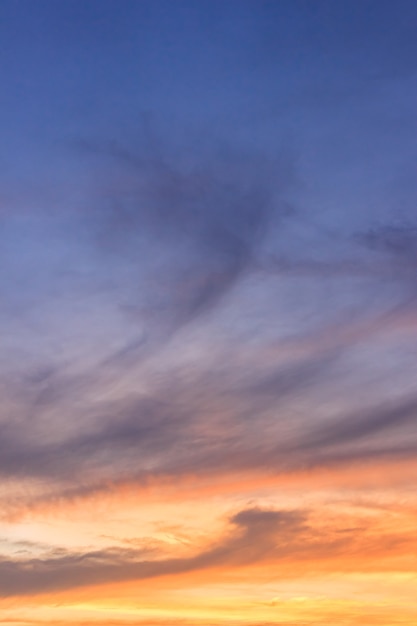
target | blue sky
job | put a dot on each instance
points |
(165, 163)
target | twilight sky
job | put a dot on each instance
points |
(208, 252)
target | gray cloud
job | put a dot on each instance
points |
(367, 424)
(292, 378)
(187, 422)
(256, 535)
(399, 240)
(396, 245)
(197, 423)
(195, 223)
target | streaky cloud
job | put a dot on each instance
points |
(256, 533)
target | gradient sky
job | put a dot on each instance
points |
(208, 246)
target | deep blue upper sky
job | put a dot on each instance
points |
(330, 83)
(192, 183)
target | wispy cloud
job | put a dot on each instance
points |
(254, 534)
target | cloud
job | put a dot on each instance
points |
(274, 539)
(200, 422)
(175, 235)
(368, 423)
(399, 240)
(184, 422)
(292, 378)
(196, 223)
(256, 534)
(396, 244)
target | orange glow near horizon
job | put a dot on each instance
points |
(360, 547)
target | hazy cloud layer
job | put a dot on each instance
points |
(256, 536)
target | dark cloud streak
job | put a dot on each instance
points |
(204, 219)
(257, 535)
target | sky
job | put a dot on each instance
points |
(208, 313)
